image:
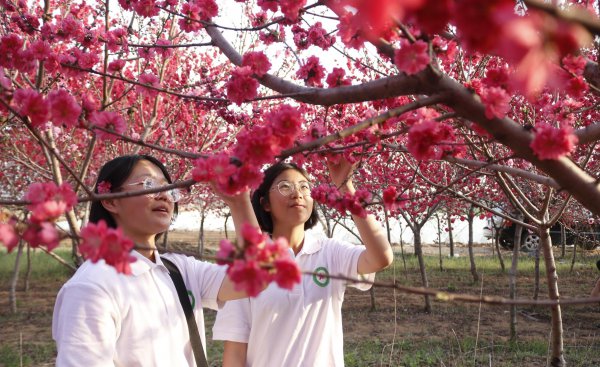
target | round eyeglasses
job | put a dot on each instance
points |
(148, 183)
(286, 188)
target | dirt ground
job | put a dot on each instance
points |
(462, 329)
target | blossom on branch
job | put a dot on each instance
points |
(412, 58)
(9, 236)
(257, 61)
(98, 241)
(49, 201)
(241, 87)
(64, 109)
(260, 261)
(108, 120)
(552, 143)
(311, 72)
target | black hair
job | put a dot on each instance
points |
(115, 172)
(261, 197)
(598, 264)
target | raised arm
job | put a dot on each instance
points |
(378, 254)
(241, 212)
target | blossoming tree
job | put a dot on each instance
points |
(219, 89)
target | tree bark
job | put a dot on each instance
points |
(12, 295)
(496, 240)
(536, 285)
(201, 234)
(419, 254)
(439, 228)
(470, 217)
(563, 241)
(28, 270)
(450, 237)
(512, 281)
(556, 339)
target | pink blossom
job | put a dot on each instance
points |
(32, 104)
(145, 8)
(104, 187)
(116, 65)
(319, 37)
(258, 62)
(336, 78)
(216, 168)
(241, 86)
(108, 120)
(265, 5)
(225, 253)
(287, 273)
(42, 233)
(10, 50)
(63, 108)
(164, 52)
(9, 236)
(425, 139)
(412, 58)
(311, 72)
(100, 242)
(208, 9)
(257, 146)
(252, 236)
(496, 102)
(577, 87)
(5, 82)
(146, 52)
(574, 64)
(49, 201)
(286, 123)
(552, 143)
(392, 200)
(40, 50)
(349, 32)
(248, 276)
(149, 80)
(291, 8)
(191, 22)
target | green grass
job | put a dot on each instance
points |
(370, 350)
(43, 267)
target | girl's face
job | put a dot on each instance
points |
(290, 203)
(142, 217)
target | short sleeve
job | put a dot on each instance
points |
(233, 321)
(202, 277)
(84, 326)
(345, 261)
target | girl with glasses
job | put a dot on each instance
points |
(301, 327)
(103, 318)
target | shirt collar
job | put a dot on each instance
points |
(310, 246)
(142, 264)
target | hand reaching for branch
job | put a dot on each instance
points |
(341, 174)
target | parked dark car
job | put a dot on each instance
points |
(585, 235)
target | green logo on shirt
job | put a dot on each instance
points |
(321, 276)
(192, 298)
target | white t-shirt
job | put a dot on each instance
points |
(301, 327)
(102, 318)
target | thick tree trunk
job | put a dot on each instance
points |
(496, 240)
(450, 237)
(470, 218)
(402, 244)
(574, 256)
(536, 285)
(372, 293)
(12, 295)
(563, 241)
(27, 270)
(201, 236)
(512, 281)
(419, 254)
(556, 341)
(439, 230)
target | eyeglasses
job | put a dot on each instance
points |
(148, 183)
(286, 188)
